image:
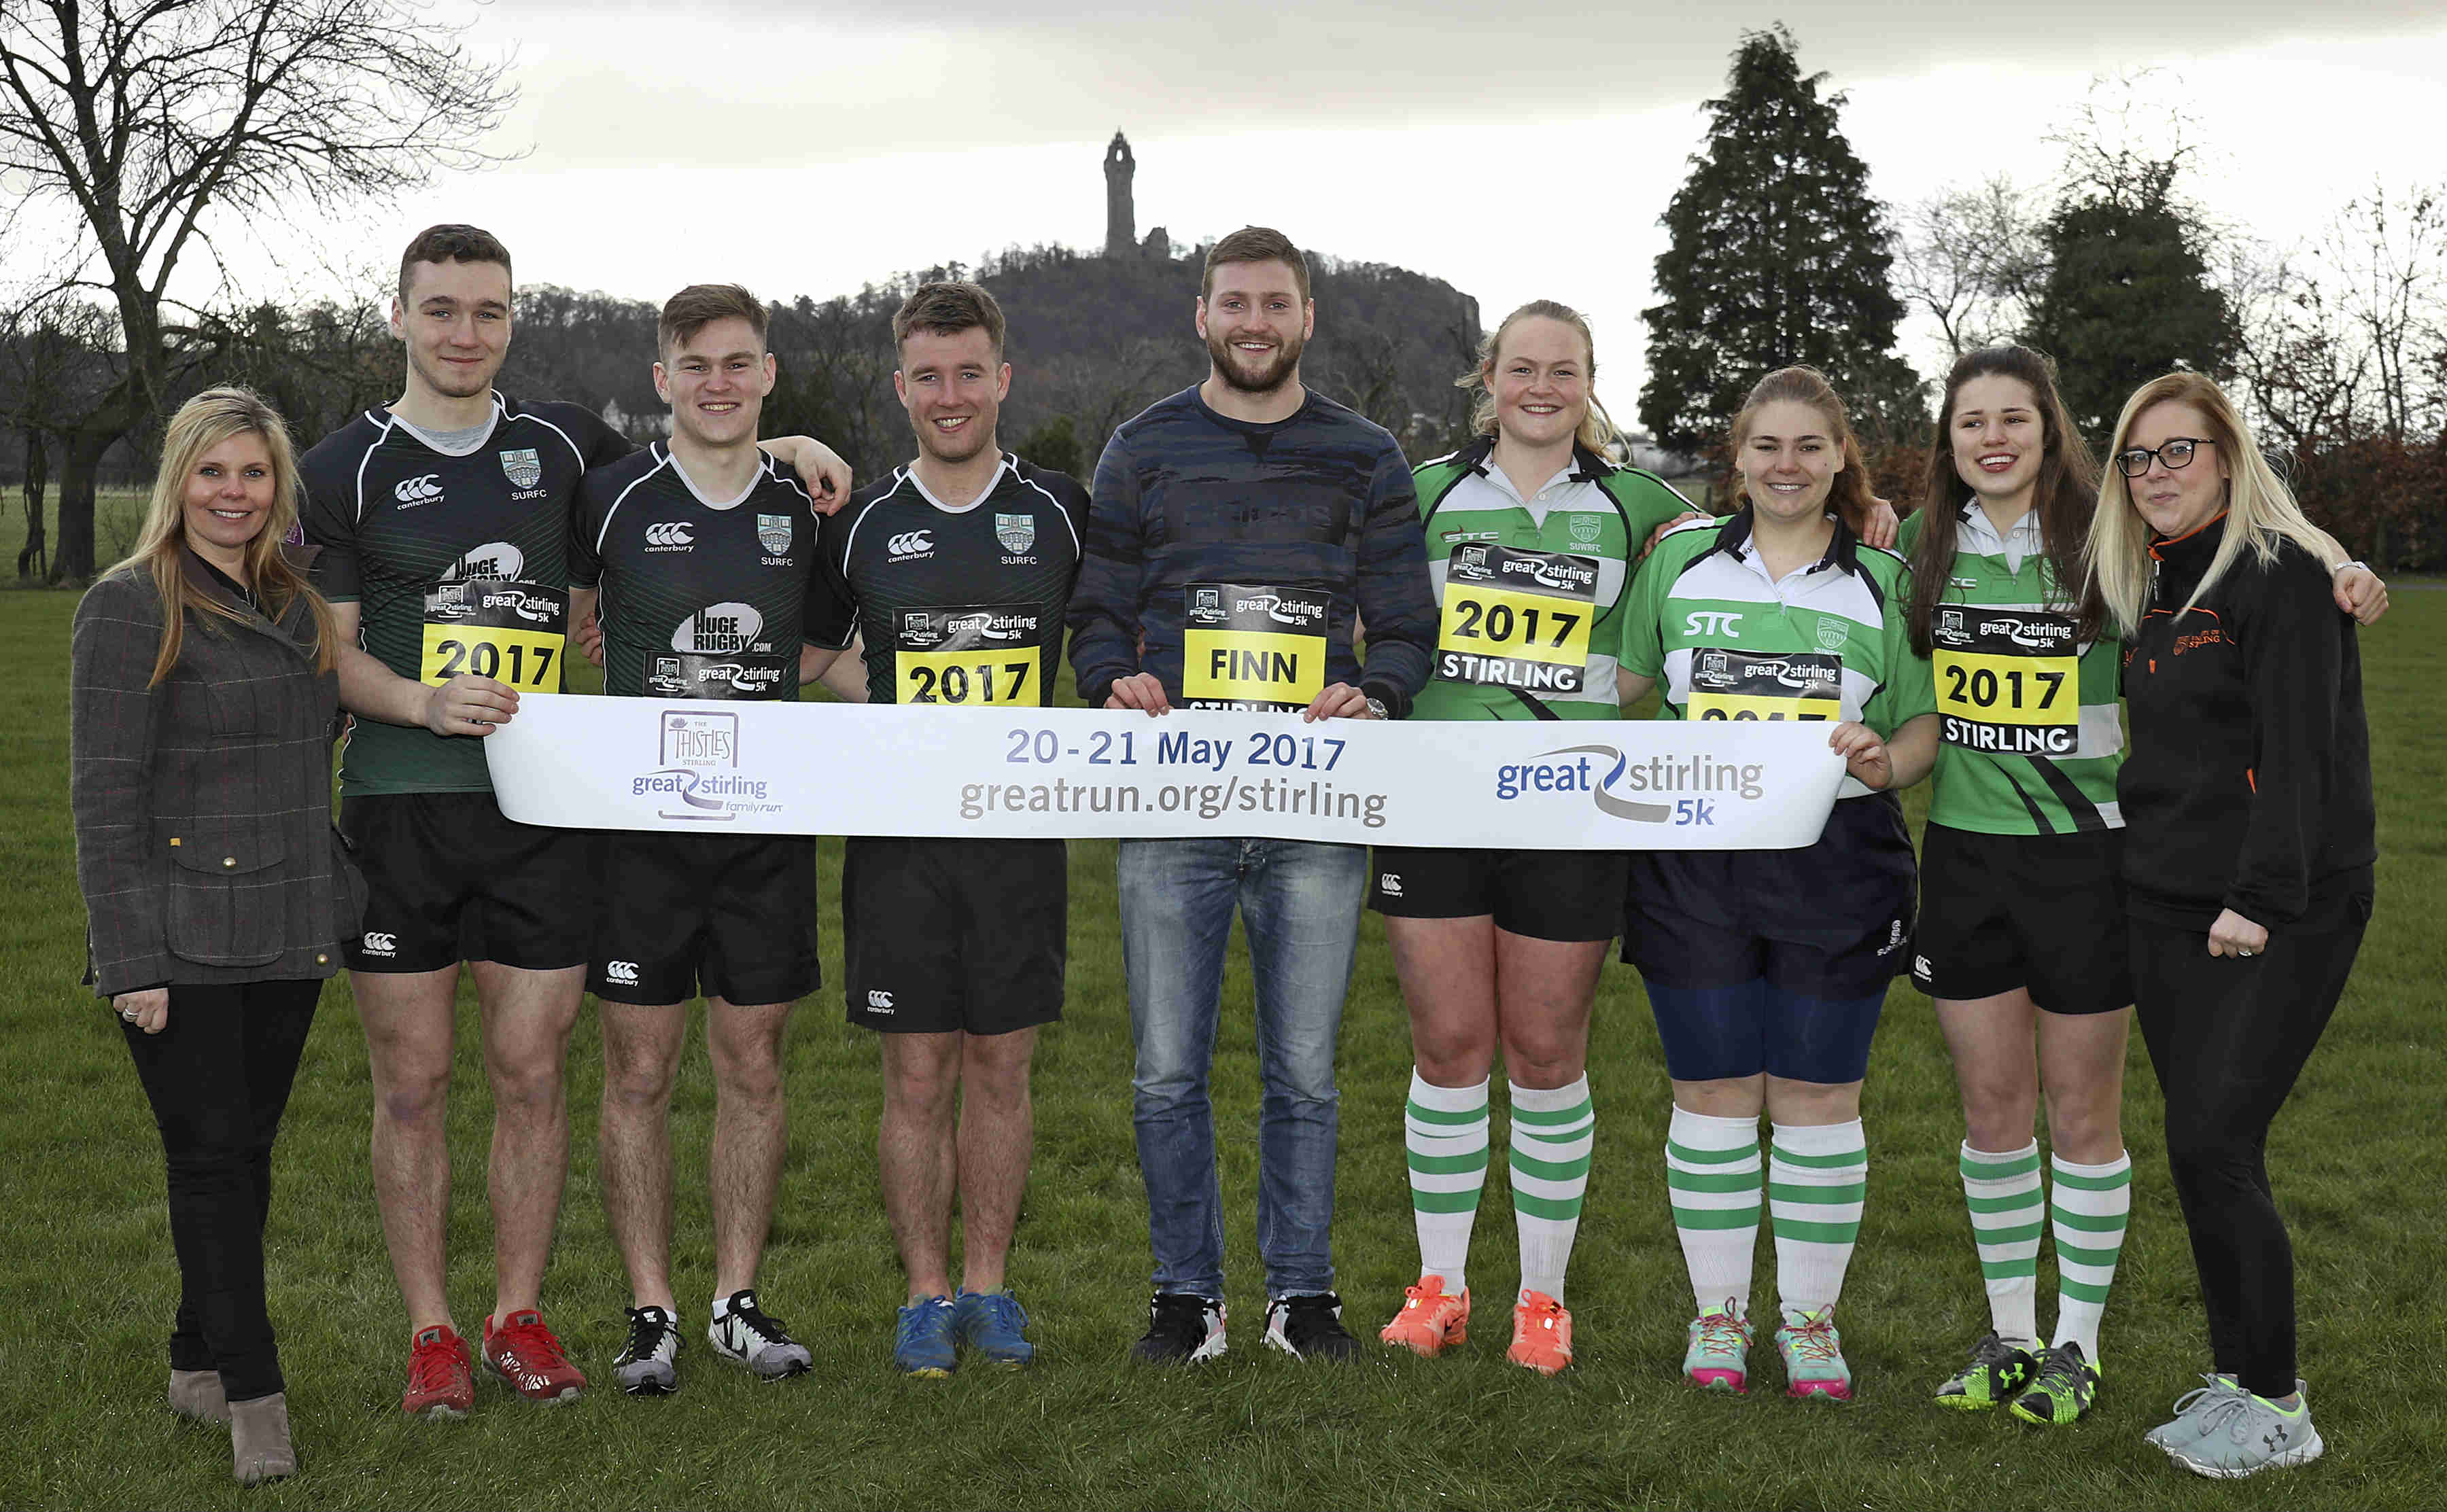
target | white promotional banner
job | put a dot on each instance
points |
(1019, 772)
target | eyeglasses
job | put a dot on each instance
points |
(2177, 452)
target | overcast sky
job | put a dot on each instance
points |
(1518, 151)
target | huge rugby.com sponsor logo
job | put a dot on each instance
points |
(719, 630)
(493, 559)
(1674, 790)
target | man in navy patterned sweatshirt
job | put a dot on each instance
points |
(1239, 529)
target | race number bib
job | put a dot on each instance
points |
(983, 655)
(1517, 618)
(1246, 647)
(2008, 680)
(1728, 683)
(699, 674)
(495, 628)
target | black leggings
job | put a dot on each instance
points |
(217, 1076)
(2227, 1038)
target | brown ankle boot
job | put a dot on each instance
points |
(197, 1395)
(259, 1449)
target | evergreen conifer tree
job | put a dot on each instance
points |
(2127, 295)
(1778, 255)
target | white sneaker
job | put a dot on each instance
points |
(745, 1334)
(650, 1364)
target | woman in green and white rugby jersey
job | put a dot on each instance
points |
(1767, 969)
(2023, 935)
(1532, 540)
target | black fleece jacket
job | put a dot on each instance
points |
(2249, 782)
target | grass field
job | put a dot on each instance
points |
(86, 1275)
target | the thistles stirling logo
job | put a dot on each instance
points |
(1610, 777)
(699, 777)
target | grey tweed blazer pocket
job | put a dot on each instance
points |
(225, 898)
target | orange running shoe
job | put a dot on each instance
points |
(1430, 1321)
(440, 1383)
(1541, 1334)
(525, 1353)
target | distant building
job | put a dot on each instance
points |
(1121, 218)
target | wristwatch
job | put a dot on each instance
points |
(2343, 565)
(1376, 709)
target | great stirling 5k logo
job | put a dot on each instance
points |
(1681, 791)
(697, 776)
(718, 651)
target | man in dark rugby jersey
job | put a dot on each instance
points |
(441, 522)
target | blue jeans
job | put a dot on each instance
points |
(1299, 902)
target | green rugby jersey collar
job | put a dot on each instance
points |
(1843, 552)
(1979, 535)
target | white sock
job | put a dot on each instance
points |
(2091, 1207)
(1443, 1135)
(1711, 1175)
(1817, 1175)
(1553, 1130)
(2002, 1188)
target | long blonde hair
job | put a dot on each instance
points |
(1597, 430)
(201, 424)
(2260, 508)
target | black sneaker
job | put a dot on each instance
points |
(747, 1334)
(1310, 1328)
(1998, 1370)
(650, 1366)
(1183, 1328)
(2060, 1390)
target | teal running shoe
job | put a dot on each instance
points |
(1813, 1356)
(922, 1344)
(995, 1325)
(2185, 1426)
(1718, 1358)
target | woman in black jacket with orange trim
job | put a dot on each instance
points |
(2249, 867)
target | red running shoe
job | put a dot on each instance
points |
(440, 1383)
(525, 1353)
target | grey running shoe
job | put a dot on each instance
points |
(2185, 1426)
(747, 1334)
(650, 1364)
(2241, 1435)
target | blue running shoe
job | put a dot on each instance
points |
(921, 1345)
(995, 1325)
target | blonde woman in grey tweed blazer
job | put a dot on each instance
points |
(203, 704)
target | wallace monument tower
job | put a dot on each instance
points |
(1121, 218)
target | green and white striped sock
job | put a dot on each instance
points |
(1817, 1175)
(1553, 1129)
(1444, 1131)
(2003, 1191)
(1712, 1174)
(2091, 1204)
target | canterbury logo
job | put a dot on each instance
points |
(1389, 884)
(669, 533)
(417, 490)
(879, 999)
(621, 970)
(911, 544)
(379, 944)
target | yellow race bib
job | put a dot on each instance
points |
(492, 627)
(1517, 618)
(973, 656)
(1246, 647)
(2008, 680)
(1727, 683)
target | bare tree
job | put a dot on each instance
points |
(2393, 254)
(156, 122)
(1972, 259)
